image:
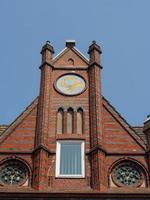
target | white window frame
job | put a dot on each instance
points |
(82, 175)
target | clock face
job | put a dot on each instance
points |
(70, 84)
(13, 173)
(127, 174)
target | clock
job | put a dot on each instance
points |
(13, 173)
(70, 84)
(127, 174)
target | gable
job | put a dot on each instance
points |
(118, 135)
(20, 135)
(70, 58)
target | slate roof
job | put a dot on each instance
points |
(3, 128)
(139, 132)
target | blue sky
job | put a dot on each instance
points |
(121, 27)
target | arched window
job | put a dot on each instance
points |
(127, 173)
(71, 61)
(14, 173)
(79, 121)
(70, 121)
(60, 119)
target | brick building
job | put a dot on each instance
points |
(70, 142)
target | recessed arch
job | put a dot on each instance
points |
(71, 61)
(79, 121)
(70, 112)
(60, 120)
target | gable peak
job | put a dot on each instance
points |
(70, 43)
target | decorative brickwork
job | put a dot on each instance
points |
(40, 178)
(96, 130)
(78, 113)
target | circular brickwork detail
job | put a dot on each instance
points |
(13, 172)
(127, 174)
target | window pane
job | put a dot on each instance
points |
(70, 159)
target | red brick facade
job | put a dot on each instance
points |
(109, 140)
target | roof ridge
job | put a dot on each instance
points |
(77, 51)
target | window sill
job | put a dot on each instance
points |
(70, 176)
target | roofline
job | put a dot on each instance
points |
(17, 121)
(84, 57)
(59, 54)
(76, 51)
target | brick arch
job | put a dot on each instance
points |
(129, 159)
(70, 109)
(71, 61)
(79, 108)
(17, 158)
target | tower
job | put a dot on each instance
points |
(96, 118)
(41, 151)
(64, 116)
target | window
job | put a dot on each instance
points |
(127, 174)
(70, 159)
(13, 173)
(71, 61)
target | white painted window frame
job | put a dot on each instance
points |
(58, 175)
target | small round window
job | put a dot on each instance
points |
(13, 172)
(127, 174)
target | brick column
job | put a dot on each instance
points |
(146, 130)
(96, 130)
(41, 153)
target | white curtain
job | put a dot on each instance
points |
(70, 159)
